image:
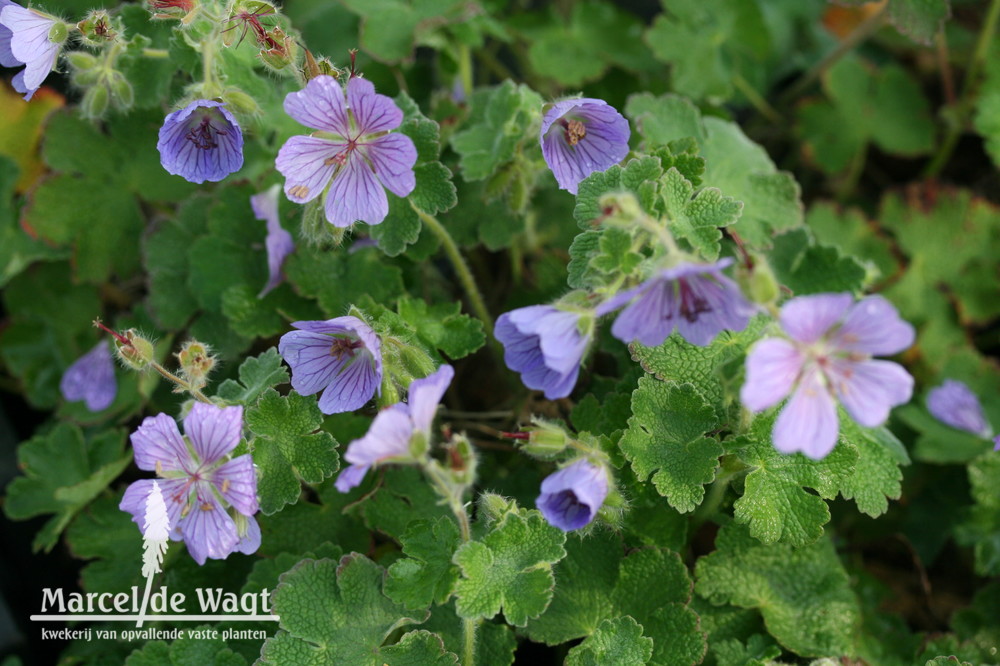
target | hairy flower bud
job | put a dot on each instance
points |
(135, 352)
(196, 362)
(95, 102)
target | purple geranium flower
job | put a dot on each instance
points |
(829, 355)
(545, 345)
(31, 39)
(91, 378)
(394, 427)
(571, 497)
(341, 355)
(279, 242)
(354, 149)
(201, 142)
(581, 136)
(199, 481)
(697, 299)
(954, 404)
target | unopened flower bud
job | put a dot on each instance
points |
(461, 460)
(58, 32)
(81, 61)
(279, 52)
(544, 439)
(758, 282)
(240, 102)
(493, 507)
(121, 89)
(95, 102)
(619, 208)
(415, 362)
(134, 351)
(316, 230)
(95, 29)
(172, 9)
(196, 362)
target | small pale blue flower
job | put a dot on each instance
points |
(572, 496)
(91, 378)
(201, 142)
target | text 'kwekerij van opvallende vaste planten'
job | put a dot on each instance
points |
(398, 332)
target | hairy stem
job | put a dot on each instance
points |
(461, 268)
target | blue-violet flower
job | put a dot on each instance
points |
(199, 481)
(91, 378)
(954, 404)
(279, 243)
(545, 345)
(341, 357)
(395, 427)
(571, 497)
(828, 355)
(581, 136)
(355, 149)
(696, 299)
(201, 142)
(31, 39)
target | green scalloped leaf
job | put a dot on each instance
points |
(257, 374)
(427, 575)
(289, 447)
(665, 439)
(618, 641)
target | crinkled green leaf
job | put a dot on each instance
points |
(775, 502)
(618, 641)
(498, 121)
(742, 170)
(186, 651)
(257, 374)
(677, 360)
(443, 326)
(697, 218)
(165, 255)
(418, 648)
(107, 536)
(758, 651)
(403, 496)
(584, 248)
(663, 119)
(705, 44)
(982, 528)
(287, 447)
(851, 232)
(877, 476)
(665, 439)
(987, 116)
(17, 249)
(509, 568)
(427, 574)
(805, 267)
(639, 177)
(62, 473)
(917, 19)
(333, 614)
(338, 279)
(803, 592)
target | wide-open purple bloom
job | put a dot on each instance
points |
(545, 345)
(954, 404)
(25, 39)
(354, 148)
(394, 427)
(581, 136)
(828, 358)
(201, 142)
(341, 357)
(571, 497)
(696, 299)
(91, 378)
(199, 481)
(279, 243)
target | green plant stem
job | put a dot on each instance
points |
(963, 106)
(865, 30)
(461, 268)
(716, 493)
(166, 374)
(465, 69)
(156, 53)
(757, 100)
(469, 628)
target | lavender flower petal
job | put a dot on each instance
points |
(869, 389)
(808, 422)
(571, 497)
(393, 157)
(356, 196)
(544, 345)
(773, 366)
(581, 136)
(250, 541)
(201, 142)
(208, 530)
(954, 404)
(307, 163)
(808, 318)
(873, 326)
(28, 44)
(91, 378)
(136, 495)
(279, 242)
(157, 441)
(213, 431)
(372, 112)
(320, 105)
(425, 396)
(236, 481)
(7, 58)
(350, 477)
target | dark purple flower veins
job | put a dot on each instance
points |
(202, 136)
(691, 304)
(566, 504)
(345, 346)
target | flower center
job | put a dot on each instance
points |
(575, 131)
(340, 159)
(692, 305)
(202, 136)
(342, 347)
